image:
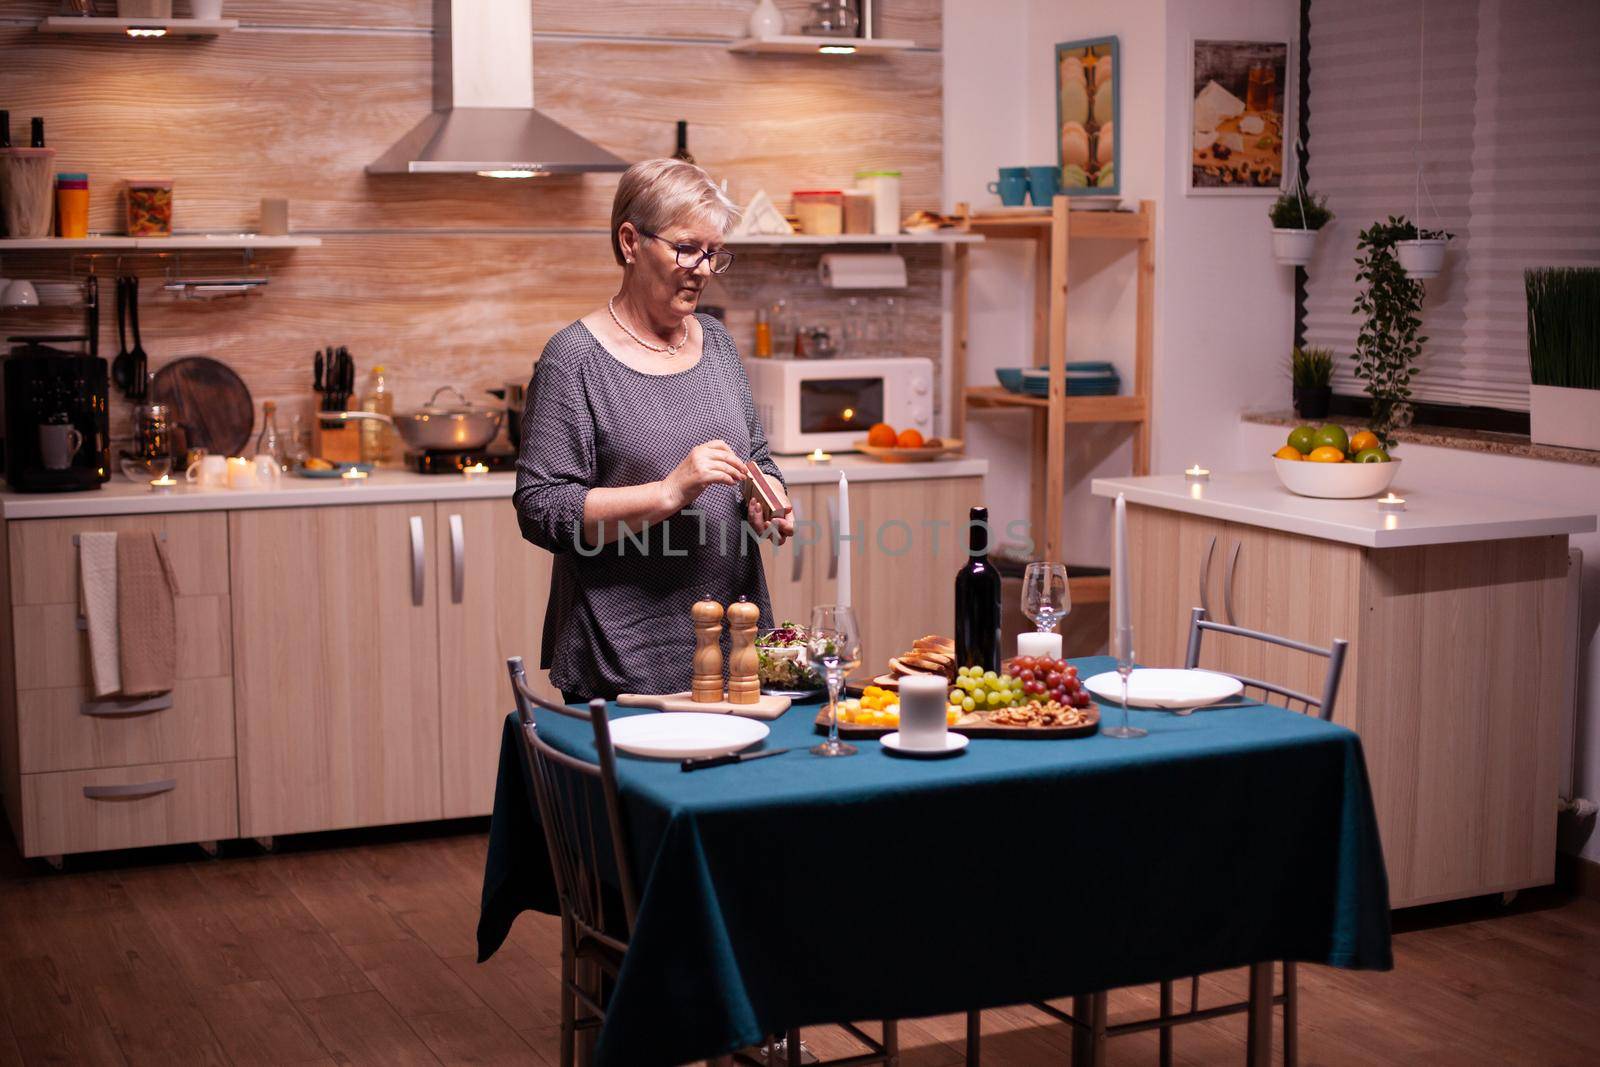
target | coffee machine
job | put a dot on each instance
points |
(57, 420)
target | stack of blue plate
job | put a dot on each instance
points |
(1087, 378)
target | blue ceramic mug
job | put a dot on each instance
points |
(1012, 188)
(1043, 184)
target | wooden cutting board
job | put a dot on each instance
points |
(767, 707)
(209, 401)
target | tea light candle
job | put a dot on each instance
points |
(475, 471)
(817, 456)
(1391, 502)
(1039, 644)
(1196, 473)
(354, 477)
(163, 484)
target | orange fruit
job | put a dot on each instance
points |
(881, 435)
(1362, 441)
(1287, 452)
(1326, 454)
(909, 439)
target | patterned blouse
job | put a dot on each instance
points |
(618, 619)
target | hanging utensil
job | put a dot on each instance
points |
(91, 291)
(141, 363)
(316, 381)
(120, 366)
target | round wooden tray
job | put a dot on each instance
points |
(975, 729)
(946, 446)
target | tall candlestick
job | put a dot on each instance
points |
(842, 595)
(1119, 567)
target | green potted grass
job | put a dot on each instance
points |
(1311, 372)
(1564, 355)
(1297, 216)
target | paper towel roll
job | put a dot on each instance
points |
(862, 271)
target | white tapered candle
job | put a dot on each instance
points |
(842, 596)
(1119, 567)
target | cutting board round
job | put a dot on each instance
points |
(209, 401)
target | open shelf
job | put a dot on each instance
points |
(796, 45)
(1073, 408)
(1095, 225)
(945, 237)
(225, 242)
(120, 27)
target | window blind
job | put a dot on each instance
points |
(1510, 150)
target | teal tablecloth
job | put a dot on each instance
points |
(796, 890)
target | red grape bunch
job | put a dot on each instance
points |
(1044, 678)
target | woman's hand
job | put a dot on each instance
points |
(783, 525)
(713, 463)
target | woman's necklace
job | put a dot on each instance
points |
(669, 349)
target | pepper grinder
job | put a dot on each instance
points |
(744, 665)
(707, 685)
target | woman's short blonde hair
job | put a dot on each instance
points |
(655, 194)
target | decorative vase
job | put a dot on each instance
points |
(1562, 416)
(766, 20)
(1293, 248)
(1311, 401)
(1421, 257)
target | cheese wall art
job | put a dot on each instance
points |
(1088, 115)
(1240, 116)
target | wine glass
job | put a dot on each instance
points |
(834, 644)
(1046, 598)
(1123, 650)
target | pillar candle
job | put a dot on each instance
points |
(1039, 644)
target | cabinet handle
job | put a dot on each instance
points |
(458, 560)
(1205, 575)
(418, 567)
(799, 549)
(1227, 582)
(126, 707)
(133, 789)
(833, 541)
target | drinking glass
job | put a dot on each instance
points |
(1123, 650)
(834, 644)
(1046, 599)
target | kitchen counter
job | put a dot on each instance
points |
(1259, 499)
(122, 497)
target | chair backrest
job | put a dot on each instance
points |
(564, 794)
(1199, 624)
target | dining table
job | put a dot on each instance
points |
(796, 890)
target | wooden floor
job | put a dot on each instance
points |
(359, 948)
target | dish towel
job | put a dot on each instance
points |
(97, 603)
(146, 616)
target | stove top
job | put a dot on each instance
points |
(455, 462)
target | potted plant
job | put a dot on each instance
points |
(1387, 346)
(1421, 252)
(1311, 371)
(1296, 218)
(1564, 355)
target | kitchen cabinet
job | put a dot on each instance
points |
(336, 666)
(1453, 679)
(492, 588)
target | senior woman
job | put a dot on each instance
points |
(637, 425)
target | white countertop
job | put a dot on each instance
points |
(1259, 499)
(122, 497)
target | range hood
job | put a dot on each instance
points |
(483, 119)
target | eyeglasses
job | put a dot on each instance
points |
(690, 256)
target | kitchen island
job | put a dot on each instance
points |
(1460, 612)
(341, 646)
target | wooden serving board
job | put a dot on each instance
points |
(209, 401)
(767, 707)
(975, 729)
(946, 446)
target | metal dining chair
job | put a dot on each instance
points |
(1092, 1031)
(561, 790)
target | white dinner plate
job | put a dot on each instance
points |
(685, 734)
(1158, 687)
(953, 743)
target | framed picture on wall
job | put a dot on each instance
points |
(1239, 116)
(1088, 113)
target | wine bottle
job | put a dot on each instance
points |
(5, 129)
(978, 600)
(38, 132)
(682, 151)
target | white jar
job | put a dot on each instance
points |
(884, 185)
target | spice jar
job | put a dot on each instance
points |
(149, 207)
(72, 205)
(821, 211)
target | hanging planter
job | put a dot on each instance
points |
(1293, 248)
(1422, 257)
(1297, 217)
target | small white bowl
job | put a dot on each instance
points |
(1343, 481)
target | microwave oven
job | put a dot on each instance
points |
(806, 404)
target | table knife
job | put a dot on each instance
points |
(702, 762)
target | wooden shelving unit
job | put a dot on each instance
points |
(222, 242)
(827, 46)
(1053, 232)
(119, 27)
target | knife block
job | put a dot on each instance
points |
(337, 441)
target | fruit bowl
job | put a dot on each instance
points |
(1343, 481)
